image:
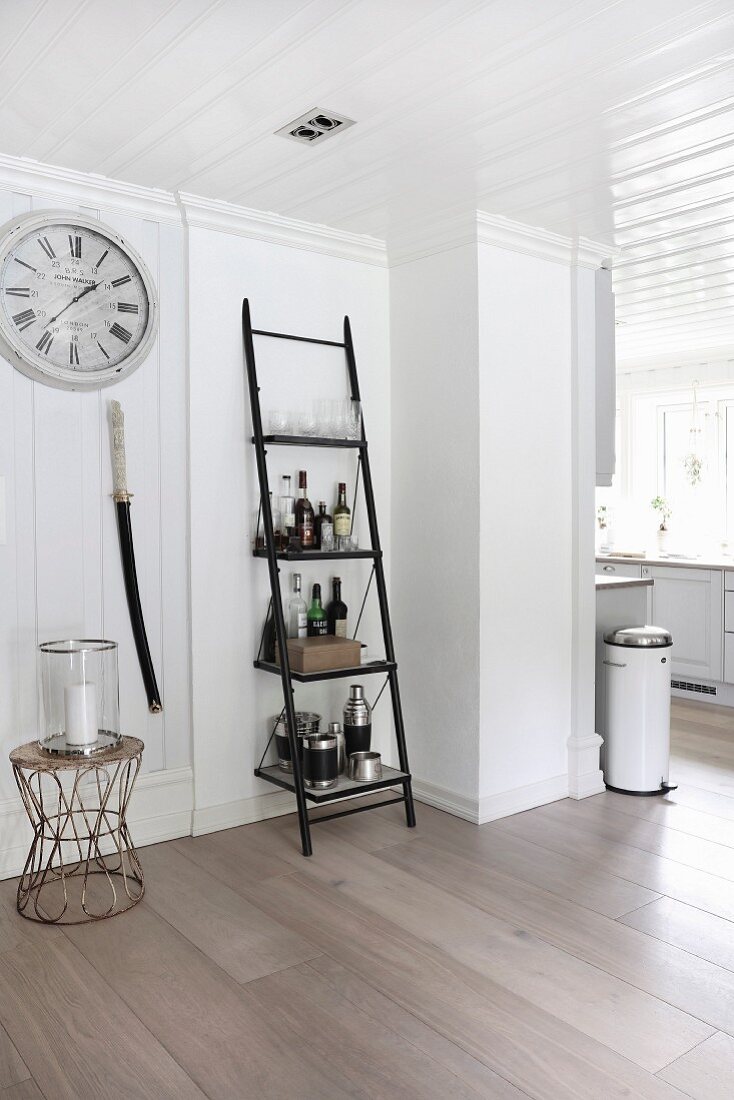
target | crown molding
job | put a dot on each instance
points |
(429, 236)
(225, 217)
(452, 229)
(439, 232)
(595, 253)
(531, 240)
(653, 360)
(66, 185)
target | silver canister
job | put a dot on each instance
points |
(306, 722)
(319, 760)
(357, 721)
(365, 767)
(335, 730)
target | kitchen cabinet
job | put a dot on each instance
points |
(729, 626)
(606, 377)
(617, 568)
(729, 658)
(689, 603)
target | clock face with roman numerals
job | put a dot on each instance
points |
(77, 304)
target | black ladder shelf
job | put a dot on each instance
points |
(345, 788)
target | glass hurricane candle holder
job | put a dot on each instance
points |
(79, 696)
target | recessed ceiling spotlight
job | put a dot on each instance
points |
(315, 126)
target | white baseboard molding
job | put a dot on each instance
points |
(160, 809)
(480, 811)
(243, 811)
(442, 798)
(583, 786)
(506, 803)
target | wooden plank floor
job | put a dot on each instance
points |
(581, 950)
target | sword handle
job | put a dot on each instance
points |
(119, 464)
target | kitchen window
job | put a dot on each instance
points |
(664, 449)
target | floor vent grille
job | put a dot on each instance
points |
(698, 689)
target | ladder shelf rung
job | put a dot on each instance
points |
(301, 339)
(317, 555)
(345, 787)
(370, 669)
(311, 441)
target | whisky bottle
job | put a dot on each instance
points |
(322, 517)
(336, 611)
(342, 514)
(304, 514)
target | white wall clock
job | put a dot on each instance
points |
(78, 307)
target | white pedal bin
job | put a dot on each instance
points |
(637, 737)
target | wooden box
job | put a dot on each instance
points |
(322, 653)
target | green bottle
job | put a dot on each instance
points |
(316, 621)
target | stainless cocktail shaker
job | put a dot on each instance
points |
(357, 721)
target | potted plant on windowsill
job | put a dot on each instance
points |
(663, 509)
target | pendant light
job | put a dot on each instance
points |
(693, 461)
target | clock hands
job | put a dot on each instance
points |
(73, 300)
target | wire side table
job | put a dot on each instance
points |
(82, 865)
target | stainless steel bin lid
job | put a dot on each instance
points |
(650, 637)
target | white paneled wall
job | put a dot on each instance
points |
(60, 570)
(441, 379)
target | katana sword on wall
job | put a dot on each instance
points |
(122, 497)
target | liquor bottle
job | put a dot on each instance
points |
(297, 611)
(304, 514)
(322, 517)
(336, 611)
(316, 623)
(287, 505)
(342, 514)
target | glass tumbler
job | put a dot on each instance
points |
(353, 416)
(279, 422)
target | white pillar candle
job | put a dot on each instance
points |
(80, 711)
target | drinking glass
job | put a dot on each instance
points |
(323, 418)
(279, 422)
(306, 422)
(339, 419)
(353, 416)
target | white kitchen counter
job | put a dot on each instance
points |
(708, 561)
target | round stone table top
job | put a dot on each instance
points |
(33, 758)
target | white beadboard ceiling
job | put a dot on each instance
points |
(610, 119)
